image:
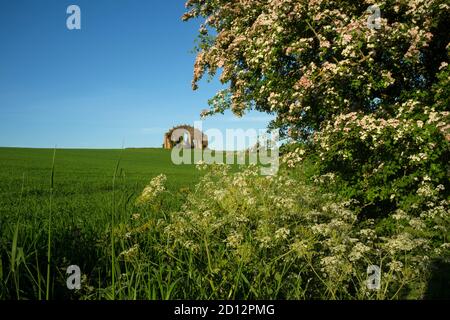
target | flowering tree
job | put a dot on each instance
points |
(399, 162)
(371, 94)
(307, 61)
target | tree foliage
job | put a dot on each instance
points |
(308, 61)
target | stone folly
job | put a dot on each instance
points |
(185, 136)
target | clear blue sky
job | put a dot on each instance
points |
(124, 77)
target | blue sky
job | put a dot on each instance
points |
(125, 77)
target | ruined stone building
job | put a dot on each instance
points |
(185, 136)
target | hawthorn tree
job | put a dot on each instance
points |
(307, 61)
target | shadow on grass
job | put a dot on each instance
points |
(438, 287)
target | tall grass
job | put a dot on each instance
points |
(113, 215)
(49, 230)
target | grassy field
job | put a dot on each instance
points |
(81, 193)
(222, 233)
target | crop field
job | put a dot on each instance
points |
(80, 194)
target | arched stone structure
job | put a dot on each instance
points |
(185, 136)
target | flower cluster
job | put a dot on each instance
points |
(154, 188)
(255, 226)
(401, 159)
(292, 158)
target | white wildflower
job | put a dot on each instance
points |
(154, 188)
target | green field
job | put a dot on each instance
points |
(90, 187)
(222, 233)
(89, 170)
